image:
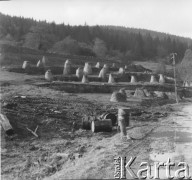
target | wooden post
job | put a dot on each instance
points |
(174, 70)
(123, 120)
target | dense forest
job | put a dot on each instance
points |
(101, 41)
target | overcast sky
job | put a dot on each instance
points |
(170, 16)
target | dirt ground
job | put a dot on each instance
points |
(65, 151)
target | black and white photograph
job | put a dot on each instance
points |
(95, 89)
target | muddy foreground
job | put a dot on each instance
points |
(62, 151)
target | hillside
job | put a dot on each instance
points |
(110, 42)
(11, 55)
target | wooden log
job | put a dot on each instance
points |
(101, 126)
(123, 120)
(6, 125)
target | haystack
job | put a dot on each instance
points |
(139, 93)
(105, 66)
(103, 73)
(85, 79)
(98, 65)
(161, 79)
(40, 64)
(118, 97)
(79, 72)
(67, 67)
(111, 79)
(186, 84)
(26, 65)
(121, 70)
(45, 61)
(161, 94)
(87, 69)
(153, 79)
(133, 79)
(48, 75)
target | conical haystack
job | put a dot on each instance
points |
(40, 64)
(111, 79)
(67, 67)
(118, 97)
(186, 84)
(98, 65)
(139, 93)
(103, 74)
(48, 75)
(44, 61)
(105, 66)
(121, 70)
(85, 79)
(26, 65)
(87, 69)
(133, 79)
(79, 72)
(153, 79)
(161, 79)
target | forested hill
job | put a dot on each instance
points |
(101, 41)
(153, 34)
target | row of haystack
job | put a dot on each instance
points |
(87, 70)
(98, 65)
(42, 63)
(152, 80)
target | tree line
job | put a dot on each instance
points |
(101, 41)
